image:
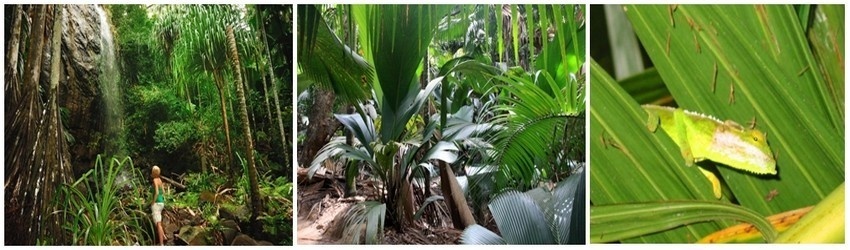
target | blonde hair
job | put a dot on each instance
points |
(155, 171)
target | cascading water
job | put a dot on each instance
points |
(113, 111)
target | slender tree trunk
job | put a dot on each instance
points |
(56, 49)
(57, 170)
(256, 201)
(259, 57)
(12, 90)
(352, 170)
(219, 84)
(36, 49)
(266, 97)
(275, 94)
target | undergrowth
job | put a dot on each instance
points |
(99, 209)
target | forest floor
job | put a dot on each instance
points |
(185, 226)
(322, 205)
(209, 221)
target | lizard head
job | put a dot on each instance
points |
(747, 149)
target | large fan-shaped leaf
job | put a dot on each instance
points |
(531, 117)
(395, 39)
(539, 216)
(360, 125)
(478, 235)
(520, 219)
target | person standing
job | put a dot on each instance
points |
(158, 204)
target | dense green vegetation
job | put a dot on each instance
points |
(184, 103)
(489, 99)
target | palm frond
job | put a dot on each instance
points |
(328, 62)
(532, 117)
(395, 38)
(539, 216)
(366, 219)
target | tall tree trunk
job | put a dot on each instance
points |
(275, 94)
(259, 57)
(12, 90)
(22, 130)
(38, 159)
(57, 170)
(256, 202)
(219, 84)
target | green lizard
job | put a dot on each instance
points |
(701, 137)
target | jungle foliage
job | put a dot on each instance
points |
(487, 98)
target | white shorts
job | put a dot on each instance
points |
(157, 211)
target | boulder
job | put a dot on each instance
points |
(244, 240)
(230, 230)
(192, 236)
(265, 243)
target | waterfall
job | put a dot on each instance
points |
(113, 111)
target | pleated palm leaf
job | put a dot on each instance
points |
(748, 64)
(395, 38)
(538, 105)
(539, 216)
(326, 62)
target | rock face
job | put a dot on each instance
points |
(78, 88)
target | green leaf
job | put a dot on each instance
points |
(647, 87)
(539, 216)
(632, 164)
(479, 235)
(824, 224)
(395, 39)
(747, 64)
(370, 214)
(624, 221)
(325, 60)
(760, 52)
(826, 37)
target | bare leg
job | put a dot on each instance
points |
(160, 234)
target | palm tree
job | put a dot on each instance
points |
(393, 152)
(200, 43)
(395, 55)
(256, 201)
